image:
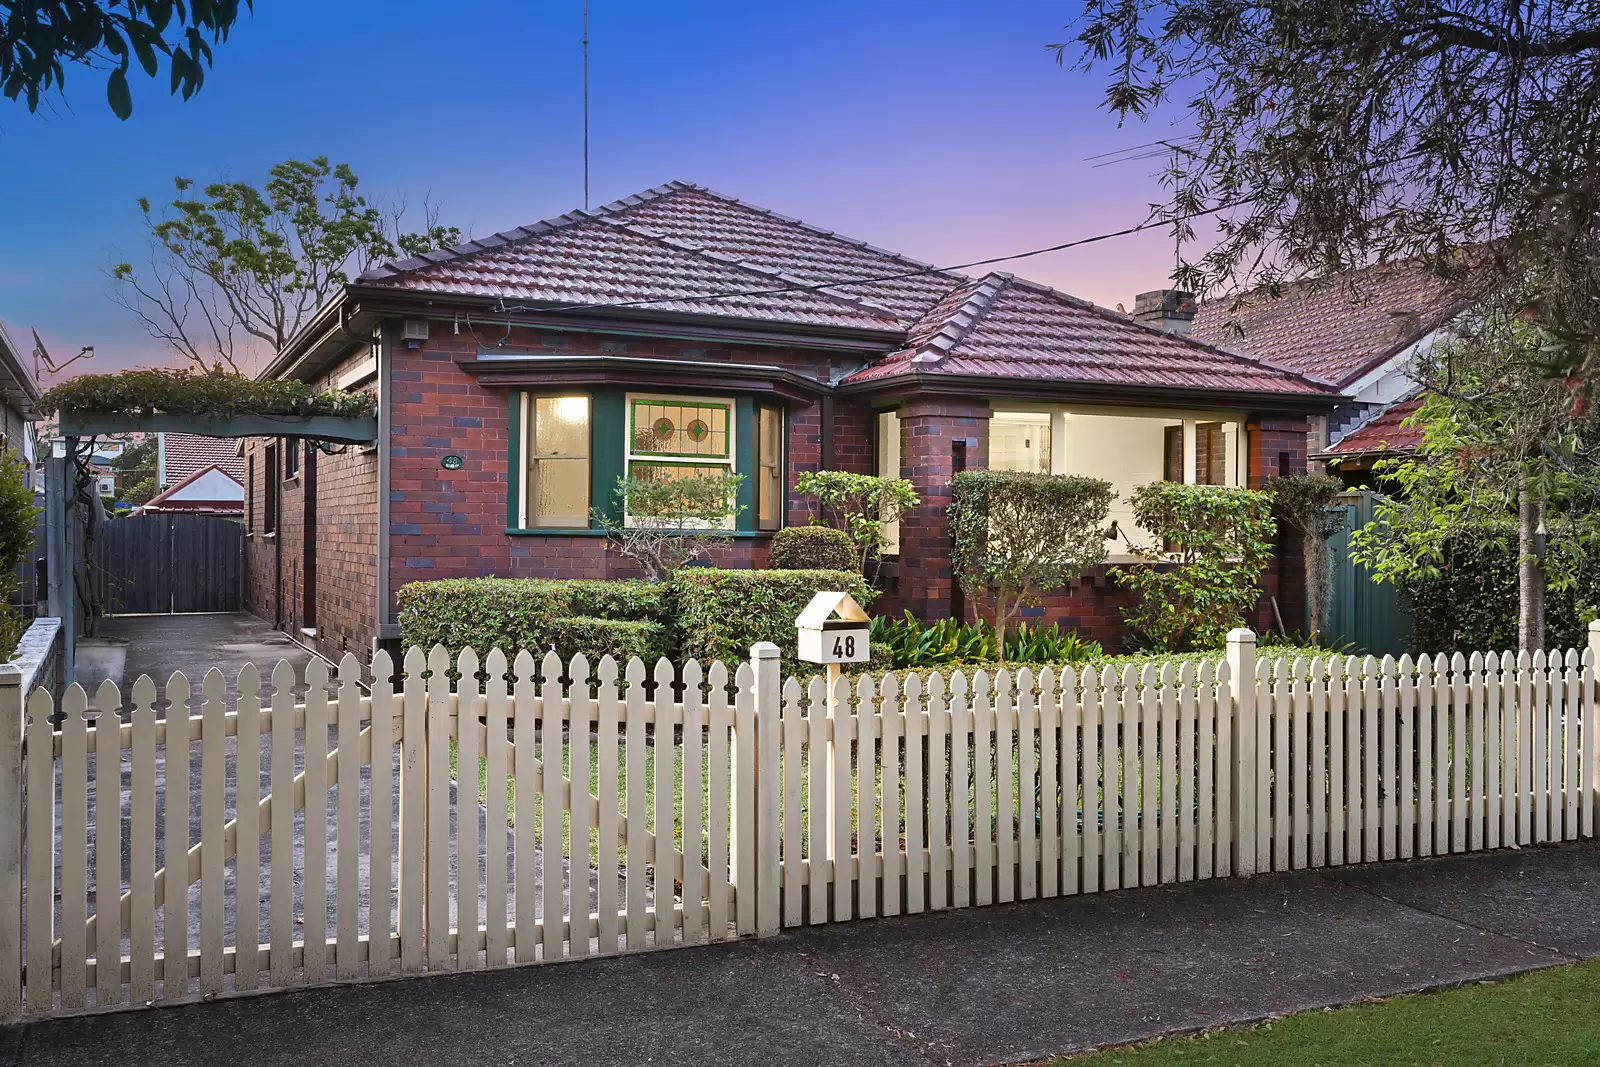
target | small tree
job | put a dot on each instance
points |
(141, 491)
(861, 505)
(665, 522)
(1218, 541)
(1020, 535)
(1301, 502)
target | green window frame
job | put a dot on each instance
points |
(736, 437)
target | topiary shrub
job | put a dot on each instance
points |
(1219, 540)
(804, 548)
(721, 613)
(536, 614)
(1018, 535)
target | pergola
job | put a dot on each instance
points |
(79, 428)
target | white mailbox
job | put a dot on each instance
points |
(833, 629)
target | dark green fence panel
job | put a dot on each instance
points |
(1365, 614)
(161, 564)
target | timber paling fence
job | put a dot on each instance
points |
(285, 841)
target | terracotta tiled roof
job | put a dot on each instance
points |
(1383, 434)
(1335, 330)
(679, 241)
(1008, 327)
(188, 454)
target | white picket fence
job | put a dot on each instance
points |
(674, 807)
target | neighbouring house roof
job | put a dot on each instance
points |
(1002, 326)
(1336, 330)
(184, 454)
(671, 246)
(1382, 434)
(21, 392)
(208, 491)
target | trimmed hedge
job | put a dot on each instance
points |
(535, 614)
(621, 638)
(804, 548)
(721, 613)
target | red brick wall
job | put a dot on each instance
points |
(447, 524)
(346, 543)
(452, 523)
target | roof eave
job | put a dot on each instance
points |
(947, 383)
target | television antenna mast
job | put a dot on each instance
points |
(1172, 150)
(586, 105)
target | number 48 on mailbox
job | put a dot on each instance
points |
(833, 628)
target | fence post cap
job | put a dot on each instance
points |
(1241, 634)
(1594, 626)
(10, 674)
(765, 650)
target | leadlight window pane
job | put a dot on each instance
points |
(671, 428)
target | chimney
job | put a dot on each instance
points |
(1165, 309)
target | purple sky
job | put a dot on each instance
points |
(939, 129)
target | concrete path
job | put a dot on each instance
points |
(980, 986)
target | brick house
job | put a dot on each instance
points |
(519, 375)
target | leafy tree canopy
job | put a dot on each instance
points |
(1505, 457)
(231, 267)
(1331, 134)
(40, 38)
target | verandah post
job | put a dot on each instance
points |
(1241, 659)
(11, 843)
(766, 662)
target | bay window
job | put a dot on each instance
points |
(570, 451)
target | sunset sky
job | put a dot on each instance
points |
(939, 129)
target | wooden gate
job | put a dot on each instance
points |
(170, 564)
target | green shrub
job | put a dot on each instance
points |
(1019, 535)
(1467, 599)
(909, 643)
(721, 613)
(620, 638)
(859, 505)
(17, 518)
(1219, 540)
(805, 548)
(189, 392)
(512, 614)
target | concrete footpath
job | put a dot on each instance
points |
(980, 986)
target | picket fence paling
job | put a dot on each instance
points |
(479, 800)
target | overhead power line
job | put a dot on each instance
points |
(1126, 231)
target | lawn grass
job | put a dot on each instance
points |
(1546, 1018)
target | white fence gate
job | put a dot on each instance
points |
(337, 834)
